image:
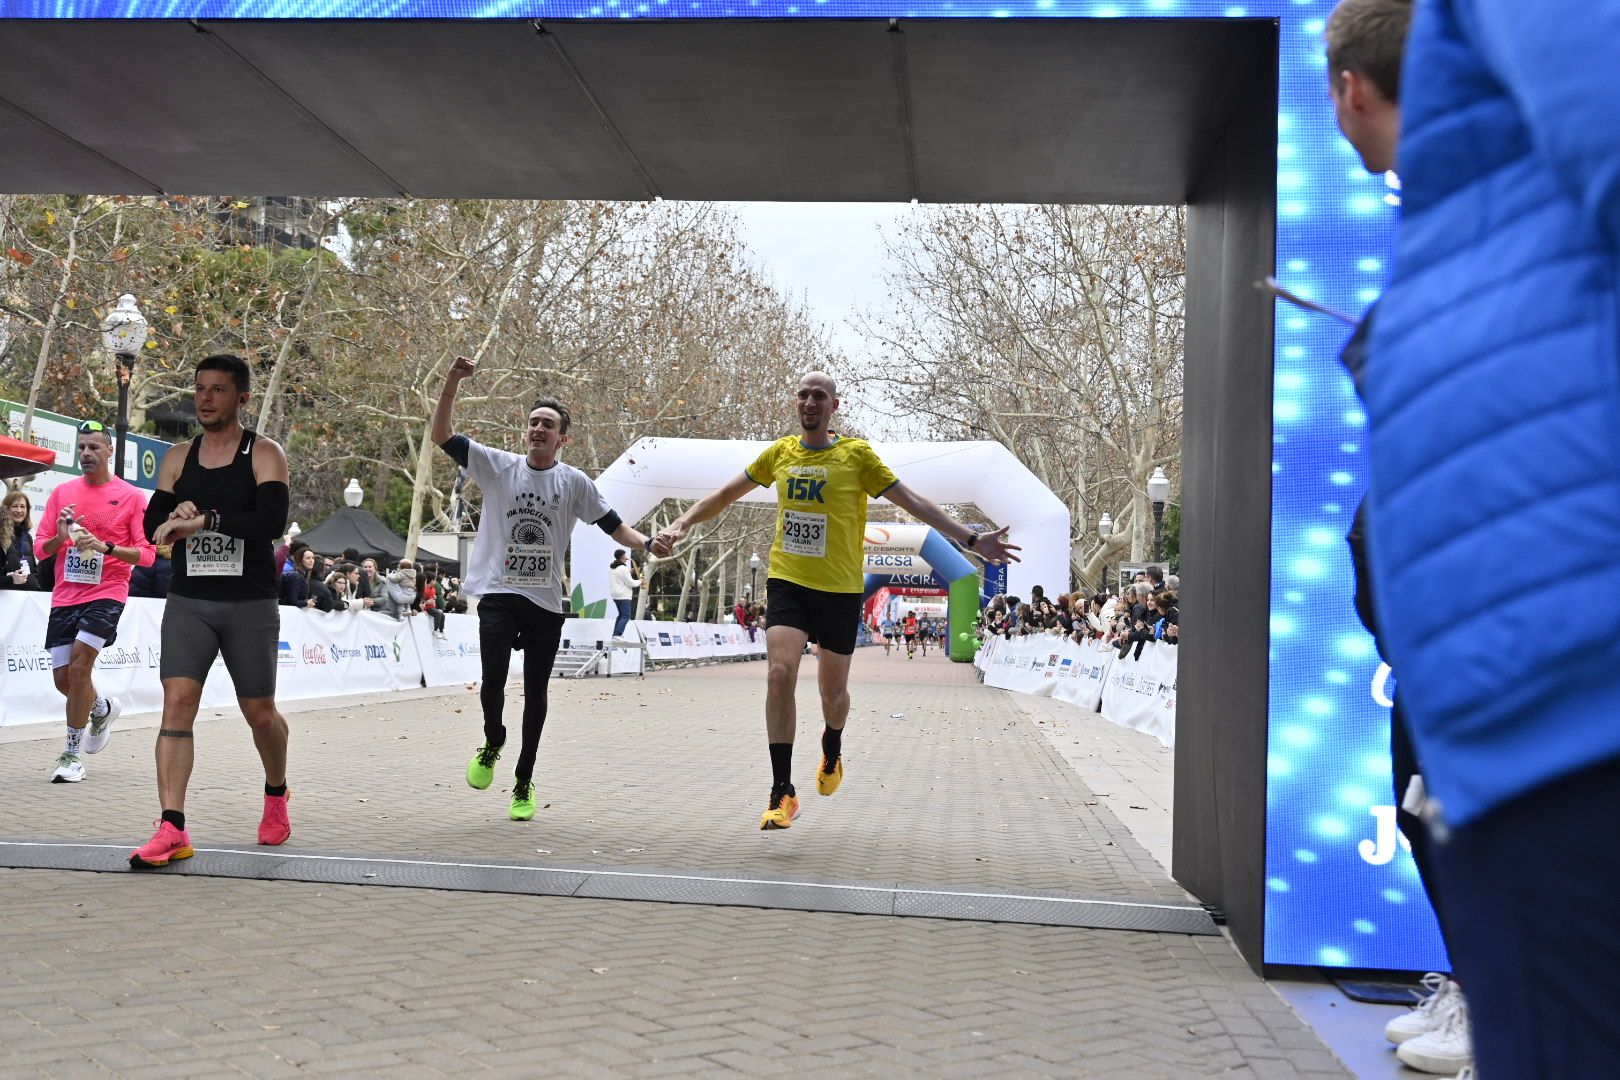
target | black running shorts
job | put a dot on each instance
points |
(95, 623)
(244, 632)
(831, 619)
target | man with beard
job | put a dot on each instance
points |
(222, 502)
(96, 540)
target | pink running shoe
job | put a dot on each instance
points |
(166, 844)
(274, 828)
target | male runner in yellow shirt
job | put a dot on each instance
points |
(814, 587)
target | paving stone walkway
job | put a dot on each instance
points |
(949, 784)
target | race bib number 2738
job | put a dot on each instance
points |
(527, 564)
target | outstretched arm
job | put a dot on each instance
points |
(992, 547)
(702, 510)
(630, 537)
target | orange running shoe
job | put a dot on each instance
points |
(827, 781)
(783, 808)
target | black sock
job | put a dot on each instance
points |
(277, 790)
(175, 818)
(781, 765)
(832, 744)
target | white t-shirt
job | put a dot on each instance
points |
(621, 585)
(529, 516)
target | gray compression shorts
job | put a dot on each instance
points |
(244, 632)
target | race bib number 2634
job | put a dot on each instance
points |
(212, 554)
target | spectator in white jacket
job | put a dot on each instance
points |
(622, 582)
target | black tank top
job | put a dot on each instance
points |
(228, 489)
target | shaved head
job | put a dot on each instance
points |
(827, 382)
(817, 399)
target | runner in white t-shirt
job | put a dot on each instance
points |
(531, 503)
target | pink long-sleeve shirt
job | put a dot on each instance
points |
(112, 512)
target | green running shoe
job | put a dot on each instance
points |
(522, 808)
(481, 769)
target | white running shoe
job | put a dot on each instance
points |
(1448, 1048)
(101, 730)
(1423, 1018)
(69, 769)
(1468, 1073)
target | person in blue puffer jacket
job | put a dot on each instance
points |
(1493, 393)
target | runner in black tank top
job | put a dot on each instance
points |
(231, 489)
(222, 502)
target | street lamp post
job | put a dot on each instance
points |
(352, 495)
(753, 574)
(1105, 529)
(124, 333)
(1158, 492)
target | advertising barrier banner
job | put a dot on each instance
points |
(318, 654)
(1133, 692)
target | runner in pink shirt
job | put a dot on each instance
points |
(97, 537)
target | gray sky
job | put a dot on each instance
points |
(828, 254)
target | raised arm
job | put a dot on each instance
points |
(991, 546)
(702, 510)
(440, 430)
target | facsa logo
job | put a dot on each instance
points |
(284, 654)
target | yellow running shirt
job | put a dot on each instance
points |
(821, 509)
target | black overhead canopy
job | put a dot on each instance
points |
(1091, 110)
(349, 527)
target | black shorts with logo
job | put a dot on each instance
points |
(831, 619)
(95, 619)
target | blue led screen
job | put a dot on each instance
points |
(1340, 890)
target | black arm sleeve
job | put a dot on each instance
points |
(267, 522)
(609, 522)
(457, 446)
(162, 504)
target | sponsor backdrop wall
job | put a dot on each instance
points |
(319, 654)
(1328, 763)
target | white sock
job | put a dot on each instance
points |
(100, 708)
(75, 736)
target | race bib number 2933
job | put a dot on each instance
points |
(804, 534)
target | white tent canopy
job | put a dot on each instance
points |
(985, 474)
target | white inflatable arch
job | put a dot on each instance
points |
(985, 474)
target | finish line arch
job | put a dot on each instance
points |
(985, 474)
(910, 547)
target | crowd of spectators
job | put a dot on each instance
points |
(350, 583)
(1148, 609)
